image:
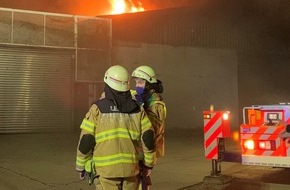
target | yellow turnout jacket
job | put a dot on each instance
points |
(119, 137)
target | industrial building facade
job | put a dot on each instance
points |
(52, 65)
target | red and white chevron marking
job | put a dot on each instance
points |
(212, 131)
(264, 133)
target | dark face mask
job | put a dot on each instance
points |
(140, 90)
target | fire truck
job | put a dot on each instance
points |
(264, 136)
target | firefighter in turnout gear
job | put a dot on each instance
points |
(148, 90)
(113, 132)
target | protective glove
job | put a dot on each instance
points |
(82, 174)
(146, 172)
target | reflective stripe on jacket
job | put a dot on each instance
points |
(118, 140)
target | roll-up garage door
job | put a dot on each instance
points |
(36, 90)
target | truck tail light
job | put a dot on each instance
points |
(267, 145)
(249, 144)
(259, 145)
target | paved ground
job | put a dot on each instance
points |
(46, 162)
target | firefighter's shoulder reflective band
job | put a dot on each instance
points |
(88, 126)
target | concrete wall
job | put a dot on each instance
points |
(193, 79)
(263, 78)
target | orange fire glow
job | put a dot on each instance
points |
(125, 6)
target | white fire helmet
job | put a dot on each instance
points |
(146, 73)
(117, 78)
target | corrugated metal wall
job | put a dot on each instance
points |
(36, 90)
(227, 27)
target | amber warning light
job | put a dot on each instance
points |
(236, 136)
